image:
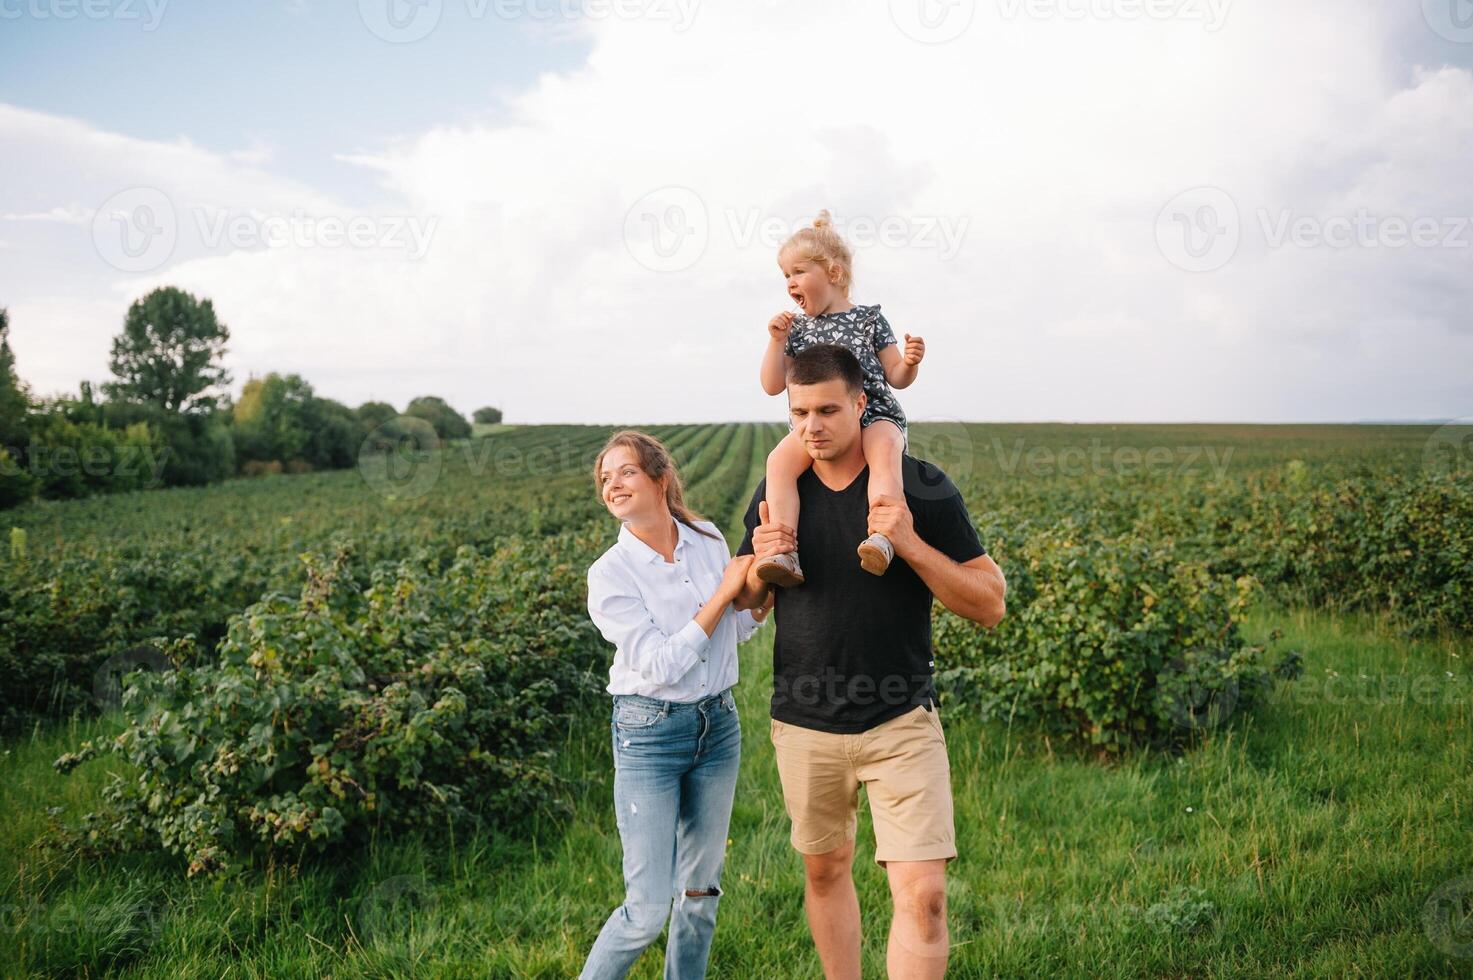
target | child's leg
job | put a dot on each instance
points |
(883, 444)
(785, 464)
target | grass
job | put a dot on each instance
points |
(1302, 841)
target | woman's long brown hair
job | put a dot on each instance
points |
(656, 462)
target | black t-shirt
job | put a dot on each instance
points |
(853, 649)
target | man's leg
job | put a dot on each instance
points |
(919, 942)
(833, 910)
(821, 795)
(907, 777)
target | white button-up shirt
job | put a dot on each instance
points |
(646, 607)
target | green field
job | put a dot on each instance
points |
(1307, 837)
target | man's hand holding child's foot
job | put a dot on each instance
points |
(891, 533)
(776, 548)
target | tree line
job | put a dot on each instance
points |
(166, 417)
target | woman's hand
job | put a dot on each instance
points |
(734, 579)
(778, 326)
(760, 613)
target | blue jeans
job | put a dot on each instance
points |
(675, 773)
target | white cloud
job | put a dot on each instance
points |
(1049, 145)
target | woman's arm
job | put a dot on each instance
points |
(620, 614)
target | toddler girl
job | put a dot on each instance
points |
(817, 265)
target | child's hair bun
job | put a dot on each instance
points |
(822, 244)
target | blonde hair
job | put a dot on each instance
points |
(821, 243)
(656, 462)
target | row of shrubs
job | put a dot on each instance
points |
(375, 694)
(1118, 636)
(1110, 640)
(339, 710)
(90, 580)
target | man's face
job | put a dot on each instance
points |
(825, 416)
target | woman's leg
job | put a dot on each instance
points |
(883, 443)
(785, 464)
(706, 795)
(646, 804)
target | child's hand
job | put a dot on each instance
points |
(915, 349)
(778, 326)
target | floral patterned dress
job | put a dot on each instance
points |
(864, 331)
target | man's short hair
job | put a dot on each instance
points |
(825, 362)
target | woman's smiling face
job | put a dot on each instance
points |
(626, 489)
(809, 284)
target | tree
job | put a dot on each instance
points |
(487, 415)
(336, 434)
(375, 414)
(169, 353)
(16, 484)
(448, 423)
(273, 418)
(15, 397)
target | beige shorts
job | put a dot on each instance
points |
(903, 767)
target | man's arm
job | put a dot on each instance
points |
(766, 539)
(974, 590)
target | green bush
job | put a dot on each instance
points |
(70, 459)
(1389, 543)
(16, 485)
(431, 695)
(1111, 640)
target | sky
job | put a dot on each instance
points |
(1092, 210)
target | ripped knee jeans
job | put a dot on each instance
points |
(675, 773)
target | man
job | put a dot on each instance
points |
(853, 703)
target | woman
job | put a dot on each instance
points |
(662, 595)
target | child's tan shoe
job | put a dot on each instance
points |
(876, 553)
(781, 569)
